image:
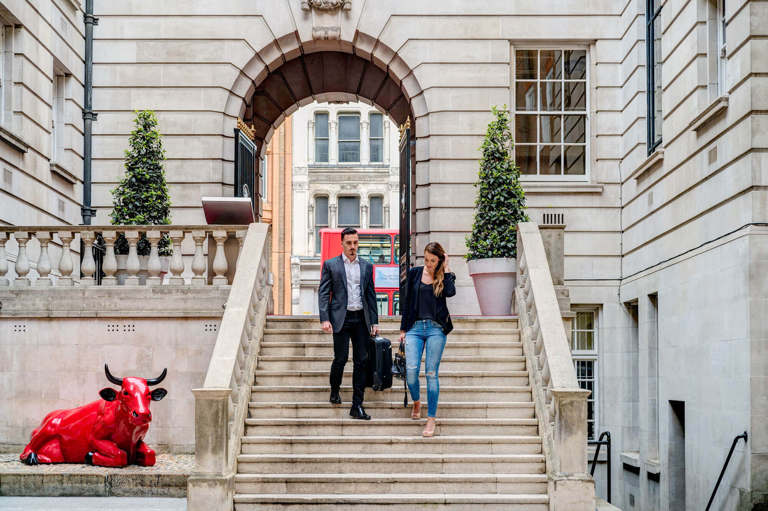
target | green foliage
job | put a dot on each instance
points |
(142, 198)
(500, 203)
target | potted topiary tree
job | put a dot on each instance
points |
(499, 207)
(142, 198)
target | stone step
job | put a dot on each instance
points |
(325, 346)
(393, 409)
(320, 393)
(449, 363)
(379, 426)
(316, 334)
(460, 444)
(389, 502)
(392, 322)
(531, 484)
(419, 463)
(467, 378)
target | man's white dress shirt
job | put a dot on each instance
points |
(354, 292)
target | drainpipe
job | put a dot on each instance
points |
(88, 114)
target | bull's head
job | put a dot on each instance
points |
(134, 395)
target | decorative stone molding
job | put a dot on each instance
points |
(326, 17)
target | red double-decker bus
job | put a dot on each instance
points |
(379, 247)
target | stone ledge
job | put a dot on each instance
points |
(168, 478)
(714, 109)
(13, 140)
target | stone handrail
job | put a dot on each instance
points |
(60, 273)
(561, 405)
(221, 404)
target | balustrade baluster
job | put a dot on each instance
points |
(109, 265)
(198, 262)
(22, 261)
(3, 261)
(44, 261)
(153, 265)
(132, 265)
(177, 263)
(88, 266)
(65, 262)
(220, 259)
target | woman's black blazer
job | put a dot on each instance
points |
(408, 306)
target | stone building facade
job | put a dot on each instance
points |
(339, 182)
(639, 125)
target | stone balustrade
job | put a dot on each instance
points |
(138, 270)
(561, 405)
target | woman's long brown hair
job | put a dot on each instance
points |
(436, 249)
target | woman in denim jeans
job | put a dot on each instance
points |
(426, 323)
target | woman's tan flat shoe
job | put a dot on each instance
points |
(416, 410)
(429, 429)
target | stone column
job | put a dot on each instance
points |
(198, 261)
(132, 266)
(332, 215)
(220, 260)
(153, 264)
(88, 266)
(44, 262)
(109, 266)
(364, 215)
(3, 261)
(22, 261)
(365, 143)
(333, 141)
(65, 263)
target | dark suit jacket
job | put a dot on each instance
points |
(411, 301)
(332, 294)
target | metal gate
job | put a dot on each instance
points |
(247, 170)
(404, 257)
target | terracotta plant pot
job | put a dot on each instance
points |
(495, 281)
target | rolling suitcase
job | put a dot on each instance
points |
(379, 363)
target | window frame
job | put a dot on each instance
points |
(722, 53)
(586, 113)
(326, 138)
(338, 211)
(318, 246)
(371, 138)
(650, 65)
(593, 356)
(339, 140)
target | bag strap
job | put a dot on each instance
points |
(405, 394)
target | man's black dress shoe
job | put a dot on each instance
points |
(335, 397)
(358, 412)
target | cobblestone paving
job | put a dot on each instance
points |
(165, 464)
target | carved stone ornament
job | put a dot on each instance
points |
(326, 17)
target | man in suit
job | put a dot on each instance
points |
(347, 303)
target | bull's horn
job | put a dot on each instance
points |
(155, 381)
(112, 379)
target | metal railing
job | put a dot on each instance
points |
(599, 443)
(34, 265)
(725, 465)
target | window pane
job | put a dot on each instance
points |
(395, 303)
(657, 115)
(382, 304)
(575, 128)
(525, 98)
(321, 150)
(397, 248)
(575, 160)
(551, 95)
(377, 212)
(575, 95)
(318, 240)
(349, 127)
(375, 248)
(525, 128)
(575, 64)
(349, 151)
(585, 320)
(550, 128)
(321, 211)
(321, 125)
(377, 125)
(525, 64)
(549, 159)
(551, 64)
(377, 150)
(525, 157)
(349, 211)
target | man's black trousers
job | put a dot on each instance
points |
(354, 329)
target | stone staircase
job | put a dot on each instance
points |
(300, 452)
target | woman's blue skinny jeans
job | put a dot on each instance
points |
(429, 333)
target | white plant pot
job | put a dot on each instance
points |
(495, 281)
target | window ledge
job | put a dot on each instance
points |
(654, 159)
(714, 109)
(653, 466)
(560, 187)
(631, 458)
(13, 140)
(63, 172)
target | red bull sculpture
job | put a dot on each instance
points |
(108, 432)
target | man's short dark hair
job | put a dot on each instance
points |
(348, 230)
